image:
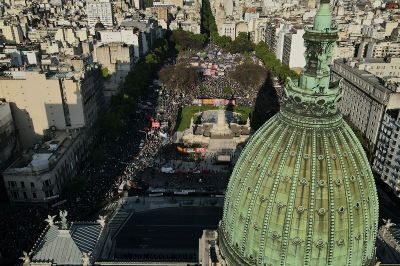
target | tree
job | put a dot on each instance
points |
(241, 44)
(185, 40)
(98, 157)
(104, 72)
(111, 123)
(152, 59)
(249, 75)
(280, 70)
(180, 76)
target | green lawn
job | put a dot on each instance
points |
(188, 112)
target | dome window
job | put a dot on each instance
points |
(300, 209)
(341, 210)
(321, 211)
(320, 244)
(296, 241)
(340, 242)
(303, 182)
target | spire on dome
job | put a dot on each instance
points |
(323, 18)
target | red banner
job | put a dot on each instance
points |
(191, 150)
(200, 150)
(215, 102)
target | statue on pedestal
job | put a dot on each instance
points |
(26, 258)
(102, 220)
(85, 259)
(50, 220)
(64, 222)
(388, 223)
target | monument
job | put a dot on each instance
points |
(221, 128)
(218, 130)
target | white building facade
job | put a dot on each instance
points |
(99, 10)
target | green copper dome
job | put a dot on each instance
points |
(302, 191)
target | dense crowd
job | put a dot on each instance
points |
(125, 159)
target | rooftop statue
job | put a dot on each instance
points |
(102, 220)
(26, 258)
(388, 223)
(50, 220)
(64, 222)
(86, 259)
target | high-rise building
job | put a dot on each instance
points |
(302, 191)
(293, 49)
(270, 36)
(99, 11)
(387, 154)
(280, 40)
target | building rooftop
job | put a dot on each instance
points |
(167, 234)
(370, 78)
(67, 247)
(44, 156)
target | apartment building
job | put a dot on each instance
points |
(365, 101)
(294, 49)
(119, 59)
(43, 99)
(39, 176)
(99, 10)
(381, 67)
(8, 135)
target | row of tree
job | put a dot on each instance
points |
(185, 40)
(282, 71)
(242, 44)
(209, 27)
(135, 85)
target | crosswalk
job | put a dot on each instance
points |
(111, 206)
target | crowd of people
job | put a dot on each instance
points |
(125, 159)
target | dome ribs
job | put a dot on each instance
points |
(249, 170)
(331, 207)
(258, 184)
(349, 201)
(243, 161)
(311, 206)
(372, 198)
(361, 188)
(292, 199)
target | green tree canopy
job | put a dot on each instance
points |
(180, 76)
(280, 70)
(187, 40)
(241, 44)
(249, 75)
(104, 72)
